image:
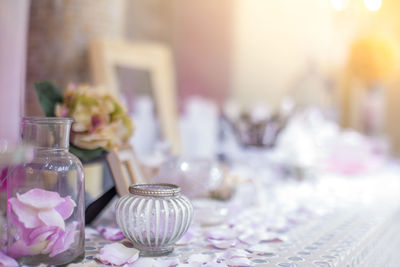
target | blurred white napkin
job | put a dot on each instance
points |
(146, 127)
(199, 128)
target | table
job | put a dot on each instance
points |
(332, 220)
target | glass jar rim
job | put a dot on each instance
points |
(46, 120)
(155, 190)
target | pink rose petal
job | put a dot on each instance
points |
(223, 244)
(200, 258)
(239, 262)
(52, 240)
(141, 262)
(111, 233)
(215, 264)
(41, 234)
(20, 229)
(42, 230)
(222, 234)
(168, 262)
(260, 248)
(90, 232)
(64, 242)
(66, 208)
(40, 199)
(192, 264)
(117, 254)
(52, 218)
(85, 264)
(186, 238)
(26, 214)
(7, 261)
(262, 236)
(56, 238)
(249, 238)
(19, 249)
(235, 253)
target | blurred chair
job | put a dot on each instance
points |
(107, 54)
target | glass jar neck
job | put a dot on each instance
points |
(45, 133)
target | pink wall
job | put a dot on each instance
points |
(13, 29)
(202, 44)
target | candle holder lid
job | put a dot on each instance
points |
(155, 190)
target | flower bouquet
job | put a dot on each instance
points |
(100, 121)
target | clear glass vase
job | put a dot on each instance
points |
(46, 198)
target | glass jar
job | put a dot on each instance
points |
(45, 197)
(154, 217)
(197, 178)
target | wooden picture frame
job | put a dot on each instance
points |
(107, 54)
(125, 168)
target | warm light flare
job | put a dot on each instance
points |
(373, 5)
(338, 5)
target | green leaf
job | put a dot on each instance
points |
(86, 155)
(49, 95)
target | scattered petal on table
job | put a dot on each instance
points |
(200, 258)
(222, 234)
(186, 238)
(151, 262)
(260, 248)
(148, 262)
(90, 232)
(239, 262)
(117, 254)
(7, 261)
(249, 238)
(111, 233)
(215, 264)
(193, 264)
(234, 253)
(168, 262)
(222, 244)
(264, 236)
(40, 199)
(86, 264)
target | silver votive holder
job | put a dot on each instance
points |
(154, 217)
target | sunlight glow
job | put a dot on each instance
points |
(338, 5)
(373, 5)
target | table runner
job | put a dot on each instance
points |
(334, 220)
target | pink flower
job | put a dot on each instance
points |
(39, 221)
(97, 121)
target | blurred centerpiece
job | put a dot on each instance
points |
(372, 62)
(258, 127)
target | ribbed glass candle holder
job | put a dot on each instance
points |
(154, 217)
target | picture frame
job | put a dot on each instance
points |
(108, 54)
(125, 169)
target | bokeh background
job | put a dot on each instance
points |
(341, 55)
